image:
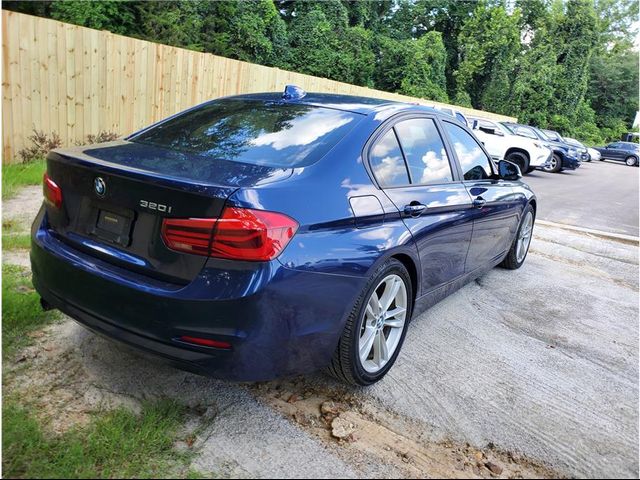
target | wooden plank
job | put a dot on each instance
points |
(77, 134)
(8, 80)
(23, 98)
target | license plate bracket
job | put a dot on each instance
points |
(114, 227)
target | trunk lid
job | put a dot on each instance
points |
(115, 196)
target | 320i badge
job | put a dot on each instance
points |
(264, 235)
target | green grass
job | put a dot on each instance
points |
(15, 236)
(21, 311)
(16, 241)
(117, 444)
(18, 175)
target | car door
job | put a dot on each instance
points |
(496, 208)
(410, 163)
(615, 152)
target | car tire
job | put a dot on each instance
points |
(555, 164)
(519, 159)
(631, 161)
(516, 256)
(347, 363)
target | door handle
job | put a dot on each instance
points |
(414, 209)
(479, 202)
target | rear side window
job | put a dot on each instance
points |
(387, 162)
(424, 150)
(475, 164)
(273, 134)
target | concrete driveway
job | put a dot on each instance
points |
(533, 373)
(598, 195)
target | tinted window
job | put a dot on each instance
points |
(424, 150)
(524, 132)
(387, 162)
(259, 133)
(474, 162)
(552, 135)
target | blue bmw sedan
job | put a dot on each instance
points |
(264, 235)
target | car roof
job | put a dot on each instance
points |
(351, 103)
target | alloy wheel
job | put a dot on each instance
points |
(383, 323)
(524, 237)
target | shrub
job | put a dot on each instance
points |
(42, 145)
(102, 136)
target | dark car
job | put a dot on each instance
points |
(583, 151)
(626, 152)
(264, 235)
(564, 156)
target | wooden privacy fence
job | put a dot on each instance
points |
(76, 81)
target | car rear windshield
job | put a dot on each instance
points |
(274, 134)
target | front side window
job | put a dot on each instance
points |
(424, 150)
(387, 162)
(475, 164)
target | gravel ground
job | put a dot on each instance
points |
(515, 372)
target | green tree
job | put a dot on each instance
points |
(258, 34)
(106, 15)
(176, 23)
(574, 36)
(489, 43)
(424, 73)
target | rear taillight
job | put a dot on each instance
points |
(52, 192)
(191, 235)
(239, 234)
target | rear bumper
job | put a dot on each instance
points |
(279, 321)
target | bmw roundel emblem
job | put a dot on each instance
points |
(99, 186)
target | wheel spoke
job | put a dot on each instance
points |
(374, 305)
(380, 352)
(394, 313)
(394, 322)
(390, 292)
(366, 342)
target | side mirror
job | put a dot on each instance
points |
(508, 170)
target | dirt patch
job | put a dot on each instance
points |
(17, 257)
(366, 431)
(24, 206)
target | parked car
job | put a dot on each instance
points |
(556, 137)
(525, 152)
(594, 154)
(264, 235)
(582, 150)
(457, 114)
(564, 156)
(626, 152)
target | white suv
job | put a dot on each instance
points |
(525, 152)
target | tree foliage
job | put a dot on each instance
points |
(566, 64)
